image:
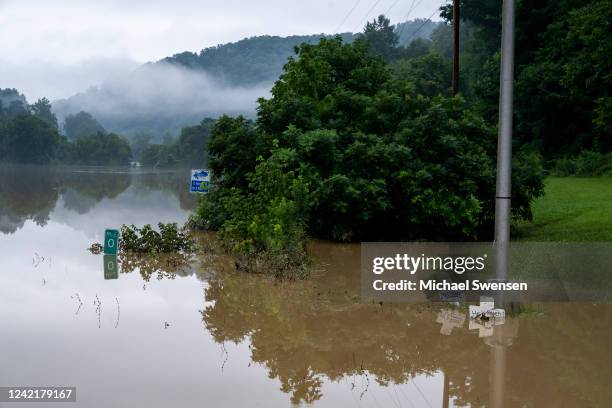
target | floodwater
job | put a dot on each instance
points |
(207, 336)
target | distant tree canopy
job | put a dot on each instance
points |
(81, 124)
(42, 110)
(260, 59)
(29, 134)
(99, 149)
(189, 150)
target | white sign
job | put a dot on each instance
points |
(485, 316)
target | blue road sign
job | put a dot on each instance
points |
(200, 181)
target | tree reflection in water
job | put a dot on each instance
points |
(309, 332)
(32, 192)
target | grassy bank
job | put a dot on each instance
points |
(573, 210)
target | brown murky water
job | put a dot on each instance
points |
(209, 336)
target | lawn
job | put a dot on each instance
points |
(572, 210)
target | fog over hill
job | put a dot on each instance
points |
(180, 90)
(160, 98)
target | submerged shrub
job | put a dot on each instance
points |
(147, 240)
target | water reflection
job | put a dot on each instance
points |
(161, 332)
(33, 192)
(309, 333)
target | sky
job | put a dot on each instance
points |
(56, 48)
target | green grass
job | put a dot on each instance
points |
(572, 210)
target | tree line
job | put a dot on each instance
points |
(363, 140)
(30, 134)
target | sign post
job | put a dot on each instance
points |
(200, 181)
(111, 241)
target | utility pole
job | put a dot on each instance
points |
(456, 18)
(504, 142)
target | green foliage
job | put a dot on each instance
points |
(29, 134)
(80, 125)
(563, 70)
(147, 240)
(100, 149)
(12, 103)
(42, 110)
(381, 38)
(233, 150)
(249, 61)
(189, 150)
(412, 30)
(348, 149)
(586, 164)
(428, 73)
(27, 139)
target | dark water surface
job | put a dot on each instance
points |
(207, 336)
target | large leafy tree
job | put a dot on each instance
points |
(42, 110)
(81, 124)
(357, 153)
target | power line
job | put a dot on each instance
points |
(367, 14)
(347, 15)
(422, 25)
(412, 7)
(391, 7)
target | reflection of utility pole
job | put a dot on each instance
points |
(456, 18)
(446, 391)
(504, 143)
(497, 371)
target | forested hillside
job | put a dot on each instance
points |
(160, 97)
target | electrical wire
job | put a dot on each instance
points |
(360, 23)
(422, 25)
(412, 6)
(347, 15)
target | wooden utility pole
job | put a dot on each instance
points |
(456, 18)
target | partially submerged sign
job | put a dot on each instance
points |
(111, 241)
(200, 180)
(111, 267)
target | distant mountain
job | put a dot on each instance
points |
(163, 96)
(247, 62)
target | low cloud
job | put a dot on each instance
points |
(40, 78)
(161, 93)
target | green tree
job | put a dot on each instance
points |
(381, 37)
(193, 143)
(101, 149)
(42, 110)
(80, 125)
(356, 152)
(27, 139)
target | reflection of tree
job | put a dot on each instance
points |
(309, 331)
(303, 332)
(164, 266)
(175, 182)
(25, 194)
(83, 189)
(31, 192)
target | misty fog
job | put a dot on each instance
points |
(159, 98)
